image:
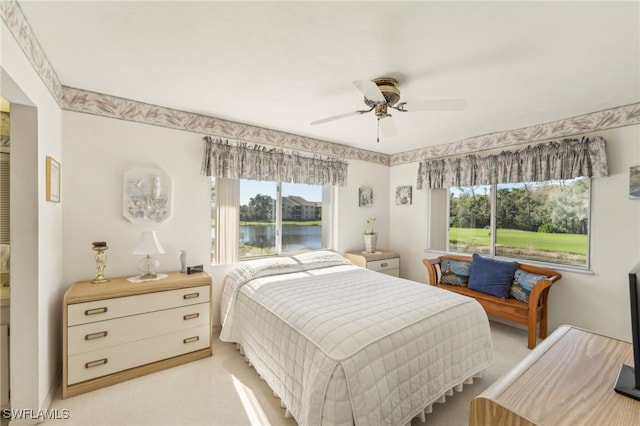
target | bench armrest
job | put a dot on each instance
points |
(539, 288)
(430, 264)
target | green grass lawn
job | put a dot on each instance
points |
(567, 243)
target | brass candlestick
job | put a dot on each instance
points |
(101, 263)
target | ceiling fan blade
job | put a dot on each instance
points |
(337, 117)
(436, 105)
(370, 91)
(388, 126)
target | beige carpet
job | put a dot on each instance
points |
(224, 390)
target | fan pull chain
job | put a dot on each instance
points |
(378, 135)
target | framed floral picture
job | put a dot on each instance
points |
(403, 195)
(365, 197)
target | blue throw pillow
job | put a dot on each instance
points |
(491, 276)
(523, 282)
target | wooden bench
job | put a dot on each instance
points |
(510, 309)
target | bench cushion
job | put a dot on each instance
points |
(523, 282)
(491, 276)
(455, 272)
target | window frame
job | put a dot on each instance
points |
(435, 213)
(328, 200)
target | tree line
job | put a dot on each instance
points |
(260, 208)
(555, 207)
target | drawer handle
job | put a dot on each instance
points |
(95, 311)
(384, 265)
(96, 363)
(98, 335)
(191, 339)
(191, 296)
(191, 316)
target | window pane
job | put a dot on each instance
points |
(470, 219)
(301, 217)
(257, 218)
(544, 221)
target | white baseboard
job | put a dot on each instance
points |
(46, 404)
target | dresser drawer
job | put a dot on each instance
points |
(102, 334)
(384, 264)
(89, 365)
(100, 310)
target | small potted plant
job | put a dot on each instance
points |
(370, 236)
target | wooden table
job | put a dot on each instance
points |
(567, 380)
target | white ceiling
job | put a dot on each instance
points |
(282, 65)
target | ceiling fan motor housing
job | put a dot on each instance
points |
(389, 88)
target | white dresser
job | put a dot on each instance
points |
(119, 330)
(384, 261)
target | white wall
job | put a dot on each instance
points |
(98, 151)
(36, 285)
(597, 301)
(352, 219)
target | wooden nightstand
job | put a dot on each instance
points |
(119, 330)
(385, 261)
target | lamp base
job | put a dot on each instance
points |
(148, 267)
(148, 276)
(141, 279)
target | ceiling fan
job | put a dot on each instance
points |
(383, 93)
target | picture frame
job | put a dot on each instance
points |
(403, 195)
(634, 183)
(365, 197)
(53, 180)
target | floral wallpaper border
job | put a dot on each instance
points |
(17, 24)
(110, 106)
(628, 115)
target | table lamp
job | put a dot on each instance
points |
(148, 245)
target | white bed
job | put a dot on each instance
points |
(342, 345)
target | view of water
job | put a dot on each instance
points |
(294, 237)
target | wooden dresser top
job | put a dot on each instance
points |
(86, 291)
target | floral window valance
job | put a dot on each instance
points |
(566, 159)
(239, 161)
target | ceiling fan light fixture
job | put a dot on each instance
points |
(381, 111)
(383, 93)
(389, 88)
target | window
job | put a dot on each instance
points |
(257, 218)
(274, 217)
(279, 217)
(301, 217)
(540, 221)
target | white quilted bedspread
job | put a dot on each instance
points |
(343, 345)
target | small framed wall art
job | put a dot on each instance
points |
(53, 180)
(403, 195)
(365, 197)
